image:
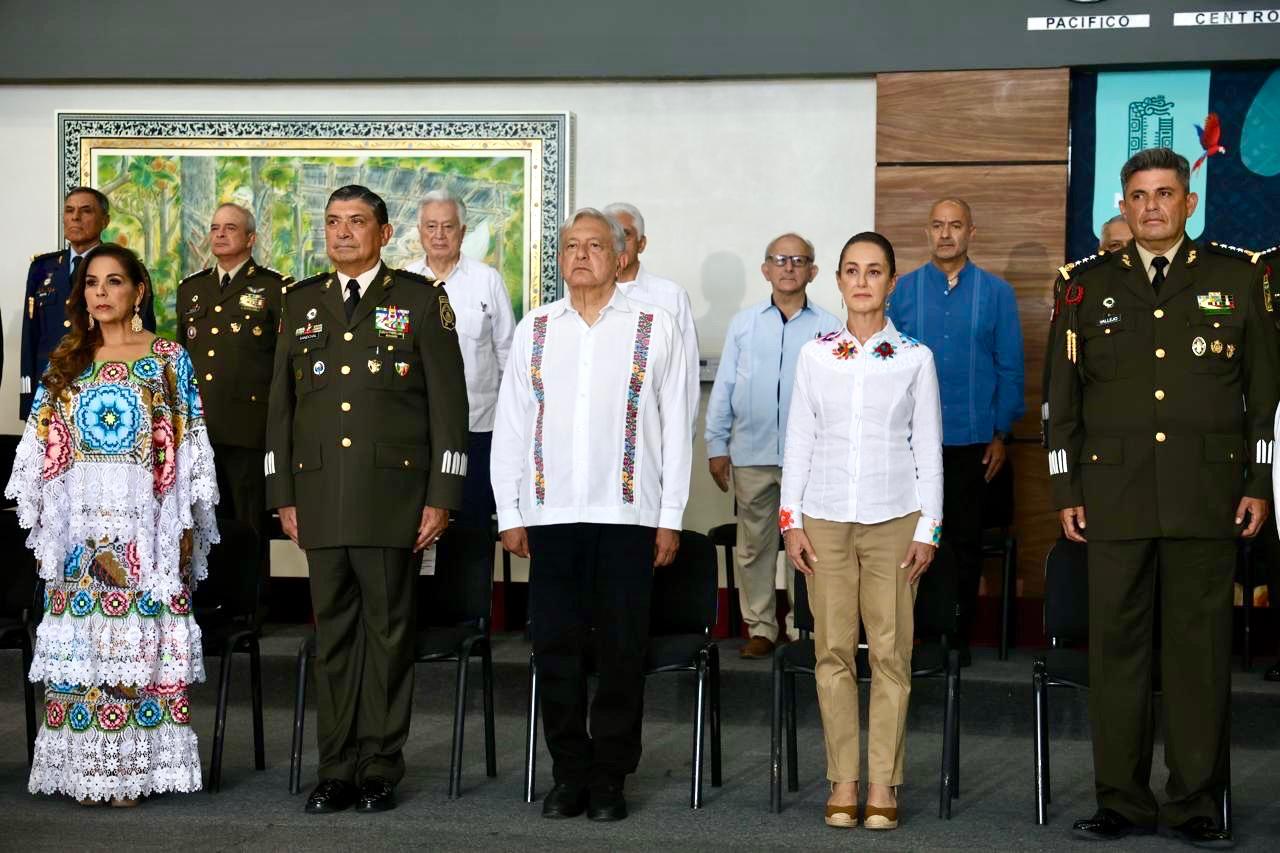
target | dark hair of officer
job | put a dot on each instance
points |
(1157, 158)
(104, 204)
(355, 192)
(878, 239)
(75, 352)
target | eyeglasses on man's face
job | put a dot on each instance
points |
(797, 261)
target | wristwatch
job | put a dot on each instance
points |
(1006, 437)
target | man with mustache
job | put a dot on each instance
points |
(1162, 395)
(969, 318)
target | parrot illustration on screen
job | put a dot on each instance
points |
(1210, 136)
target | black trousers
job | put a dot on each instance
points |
(589, 590)
(365, 606)
(964, 492)
(242, 490)
(477, 494)
(1194, 600)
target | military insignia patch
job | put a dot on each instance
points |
(1216, 347)
(1215, 302)
(1268, 299)
(1231, 350)
(311, 314)
(191, 331)
(391, 322)
(308, 332)
(1109, 302)
(402, 368)
(1127, 261)
(253, 301)
(1074, 295)
(1191, 257)
(1198, 347)
(374, 365)
(235, 327)
(447, 318)
(318, 368)
(257, 331)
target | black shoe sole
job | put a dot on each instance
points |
(1217, 844)
(1086, 835)
(363, 809)
(324, 810)
(560, 815)
(607, 816)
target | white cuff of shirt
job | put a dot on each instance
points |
(509, 519)
(928, 530)
(789, 519)
(671, 519)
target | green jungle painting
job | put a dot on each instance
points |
(162, 202)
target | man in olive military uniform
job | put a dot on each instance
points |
(1163, 389)
(366, 455)
(85, 212)
(228, 315)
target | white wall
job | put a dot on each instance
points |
(718, 169)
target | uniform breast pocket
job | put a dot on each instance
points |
(311, 366)
(191, 321)
(394, 366)
(1102, 348)
(473, 323)
(1215, 343)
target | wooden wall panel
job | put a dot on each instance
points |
(984, 116)
(998, 140)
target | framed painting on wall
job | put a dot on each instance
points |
(165, 174)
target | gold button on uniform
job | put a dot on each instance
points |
(406, 463)
(214, 330)
(217, 309)
(1217, 325)
(346, 368)
(66, 323)
(210, 353)
(346, 407)
(1159, 394)
(1093, 458)
(208, 377)
(1106, 331)
(346, 442)
(346, 336)
(1158, 313)
(1160, 437)
(1160, 353)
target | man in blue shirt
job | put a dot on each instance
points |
(969, 318)
(747, 421)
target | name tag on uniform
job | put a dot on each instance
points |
(253, 300)
(309, 332)
(1215, 302)
(391, 322)
(1110, 320)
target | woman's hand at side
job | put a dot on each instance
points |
(919, 556)
(800, 550)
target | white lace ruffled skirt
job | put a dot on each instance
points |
(116, 664)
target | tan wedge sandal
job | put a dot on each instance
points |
(841, 817)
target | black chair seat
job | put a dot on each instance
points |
(440, 643)
(10, 625)
(724, 535)
(672, 651)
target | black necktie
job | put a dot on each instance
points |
(226, 279)
(1158, 263)
(75, 264)
(353, 297)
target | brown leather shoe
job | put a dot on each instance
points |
(757, 647)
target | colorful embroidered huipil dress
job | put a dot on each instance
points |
(115, 481)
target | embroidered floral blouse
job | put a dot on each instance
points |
(864, 438)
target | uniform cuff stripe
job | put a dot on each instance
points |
(454, 462)
(269, 463)
(1264, 451)
(1057, 462)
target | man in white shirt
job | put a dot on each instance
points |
(485, 323)
(591, 456)
(638, 283)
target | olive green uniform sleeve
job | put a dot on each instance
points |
(1261, 394)
(1065, 417)
(279, 453)
(447, 412)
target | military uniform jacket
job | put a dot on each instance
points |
(1160, 407)
(231, 336)
(44, 319)
(368, 418)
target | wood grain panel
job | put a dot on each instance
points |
(983, 116)
(1021, 219)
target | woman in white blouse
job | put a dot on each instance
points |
(861, 514)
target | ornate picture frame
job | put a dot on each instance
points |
(165, 173)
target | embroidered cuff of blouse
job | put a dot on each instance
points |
(789, 519)
(928, 530)
(509, 519)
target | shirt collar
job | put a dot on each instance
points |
(640, 273)
(364, 279)
(888, 333)
(457, 268)
(959, 275)
(769, 305)
(617, 302)
(1146, 257)
(233, 272)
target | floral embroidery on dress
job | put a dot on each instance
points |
(884, 350)
(845, 350)
(639, 366)
(539, 394)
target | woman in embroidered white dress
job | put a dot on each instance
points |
(114, 478)
(861, 510)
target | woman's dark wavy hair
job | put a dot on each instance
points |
(75, 352)
(872, 237)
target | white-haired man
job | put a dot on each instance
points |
(638, 283)
(485, 324)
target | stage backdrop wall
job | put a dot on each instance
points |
(717, 168)
(999, 140)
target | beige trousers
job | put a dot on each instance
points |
(857, 578)
(758, 490)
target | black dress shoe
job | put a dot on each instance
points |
(607, 803)
(376, 795)
(331, 795)
(1272, 674)
(565, 801)
(1202, 832)
(1107, 825)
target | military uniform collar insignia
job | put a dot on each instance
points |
(1127, 260)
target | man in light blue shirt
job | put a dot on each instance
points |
(747, 421)
(969, 318)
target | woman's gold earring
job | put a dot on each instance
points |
(90, 321)
(136, 322)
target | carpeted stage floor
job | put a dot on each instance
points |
(995, 812)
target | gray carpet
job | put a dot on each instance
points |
(996, 810)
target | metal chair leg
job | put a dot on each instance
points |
(490, 741)
(531, 734)
(220, 719)
(955, 736)
(459, 723)
(255, 686)
(793, 749)
(714, 675)
(775, 739)
(945, 779)
(299, 715)
(1008, 596)
(700, 716)
(1038, 741)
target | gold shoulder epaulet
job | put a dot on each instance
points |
(1067, 270)
(290, 286)
(204, 271)
(1235, 251)
(41, 256)
(270, 271)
